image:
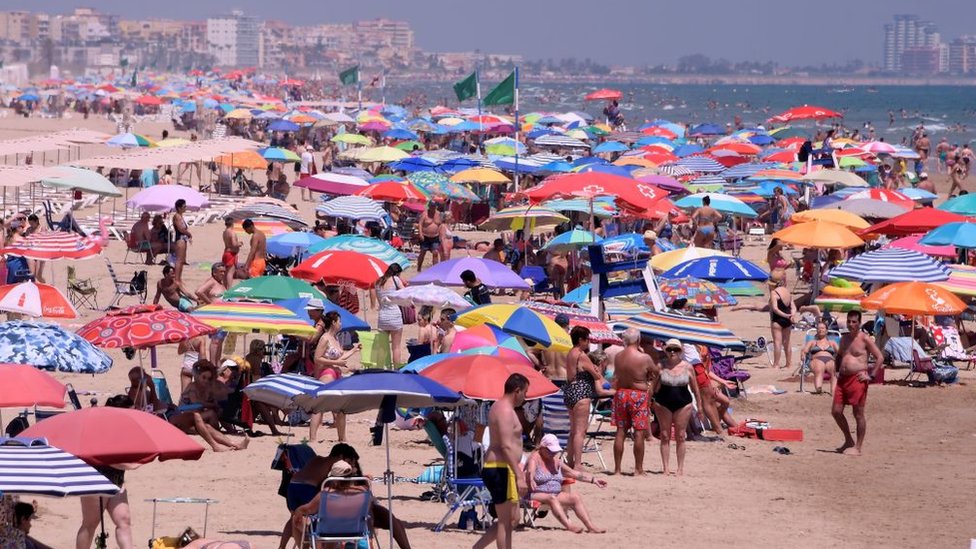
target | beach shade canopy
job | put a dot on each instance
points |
(80, 179)
(688, 329)
(600, 332)
(245, 160)
(24, 386)
(352, 207)
(273, 288)
(376, 390)
(884, 195)
(840, 217)
(143, 326)
(627, 192)
(248, 317)
(483, 377)
(29, 466)
(162, 198)
(288, 216)
(701, 294)
(38, 300)
(130, 140)
(518, 321)
(835, 177)
(921, 220)
(292, 244)
(913, 243)
(341, 267)
(720, 202)
(374, 247)
(393, 191)
(717, 269)
(428, 295)
(50, 347)
(668, 260)
(806, 112)
(493, 339)
(870, 208)
(891, 265)
(287, 392)
(480, 175)
(516, 217)
(962, 205)
(109, 436)
(914, 299)
(819, 234)
(332, 183)
(54, 245)
(960, 235)
(603, 95)
(491, 273)
(277, 154)
(572, 240)
(962, 280)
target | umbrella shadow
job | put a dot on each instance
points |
(275, 533)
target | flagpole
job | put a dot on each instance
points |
(359, 88)
(383, 85)
(517, 128)
(481, 124)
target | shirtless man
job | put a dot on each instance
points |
(140, 237)
(213, 289)
(502, 472)
(922, 147)
(430, 235)
(705, 219)
(853, 378)
(447, 330)
(232, 246)
(257, 258)
(174, 292)
(942, 153)
(632, 368)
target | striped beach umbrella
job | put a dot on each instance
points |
(961, 281)
(746, 170)
(284, 391)
(701, 164)
(247, 317)
(516, 217)
(130, 140)
(688, 329)
(289, 216)
(892, 265)
(29, 466)
(428, 295)
(277, 154)
(600, 332)
(54, 245)
(560, 141)
(363, 244)
(518, 321)
(352, 207)
(675, 170)
(572, 240)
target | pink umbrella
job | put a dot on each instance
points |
(333, 183)
(667, 183)
(161, 198)
(912, 243)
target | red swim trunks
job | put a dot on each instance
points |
(630, 409)
(851, 390)
(229, 259)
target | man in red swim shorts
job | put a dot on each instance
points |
(232, 245)
(632, 368)
(853, 378)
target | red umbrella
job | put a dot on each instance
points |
(110, 436)
(603, 95)
(51, 245)
(806, 112)
(34, 299)
(149, 100)
(341, 267)
(393, 191)
(143, 326)
(629, 193)
(884, 195)
(659, 132)
(781, 156)
(22, 385)
(483, 377)
(921, 220)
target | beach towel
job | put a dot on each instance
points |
(760, 430)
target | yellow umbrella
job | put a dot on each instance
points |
(246, 160)
(352, 139)
(840, 217)
(381, 154)
(666, 260)
(239, 114)
(518, 321)
(450, 121)
(479, 175)
(819, 234)
(173, 142)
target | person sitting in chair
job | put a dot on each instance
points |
(822, 352)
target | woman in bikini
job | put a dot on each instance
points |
(822, 352)
(329, 360)
(582, 378)
(672, 390)
(192, 350)
(182, 238)
(781, 313)
(202, 411)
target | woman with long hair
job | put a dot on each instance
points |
(390, 318)
(329, 362)
(781, 313)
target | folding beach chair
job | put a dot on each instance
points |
(920, 365)
(464, 493)
(81, 291)
(342, 517)
(137, 287)
(724, 367)
(950, 346)
(555, 420)
(804, 369)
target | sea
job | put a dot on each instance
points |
(944, 111)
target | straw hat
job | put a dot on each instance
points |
(341, 469)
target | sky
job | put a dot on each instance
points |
(630, 32)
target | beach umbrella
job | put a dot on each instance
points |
(246, 160)
(110, 436)
(491, 273)
(352, 207)
(915, 299)
(23, 385)
(286, 392)
(277, 154)
(721, 202)
(840, 217)
(482, 377)
(373, 247)
(480, 175)
(604, 94)
(701, 294)
(891, 265)
(141, 327)
(667, 260)
(400, 134)
(560, 141)
(489, 336)
(130, 140)
(50, 347)
(819, 234)
(717, 269)
(29, 466)
(877, 147)
(439, 185)
(292, 244)
(572, 240)
(628, 193)
(269, 227)
(884, 195)
(700, 164)
(835, 177)
(919, 195)
(421, 364)
(961, 281)
(352, 139)
(286, 215)
(600, 332)
(920, 220)
(688, 329)
(599, 207)
(54, 245)
(428, 295)
(381, 154)
(870, 208)
(519, 321)
(707, 183)
(958, 234)
(341, 267)
(273, 288)
(249, 317)
(38, 300)
(610, 147)
(80, 179)
(162, 198)
(806, 112)
(515, 217)
(962, 205)
(912, 243)
(332, 183)
(706, 129)
(282, 125)
(239, 114)
(393, 191)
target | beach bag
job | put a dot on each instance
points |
(409, 313)
(944, 374)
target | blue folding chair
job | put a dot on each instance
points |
(342, 517)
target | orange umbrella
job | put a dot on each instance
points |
(914, 298)
(270, 227)
(819, 234)
(840, 217)
(247, 160)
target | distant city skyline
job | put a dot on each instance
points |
(627, 32)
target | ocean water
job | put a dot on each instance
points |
(948, 111)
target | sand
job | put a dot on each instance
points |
(912, 487)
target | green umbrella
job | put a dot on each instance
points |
(437, 184)
(409, 146)
(364, 245)
(80, 179)
(273, 288)
(573, 240)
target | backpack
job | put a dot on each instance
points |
(139, 281)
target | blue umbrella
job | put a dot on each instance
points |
(761, 140)
(627, 243)
(29, 97)
(605, 168)
(282, 125)
(558, 166)
(687, 149)
(50, 347)
(920, 195)
(706, 129)
(717, 269)
(413, 164)
(892, 265)
(459, 164)
(610, 146)
(768, 188)
(962, 205)
(290, 244)
(586, 160)
(399, 133)
(285, 391)
(652, 140)
(959, 234)
(31, 466)
(580, 294)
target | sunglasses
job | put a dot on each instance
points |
(670, 351)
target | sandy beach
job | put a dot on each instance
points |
(912, 488)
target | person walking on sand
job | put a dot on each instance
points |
(430, 235)
(502, 472)
(232, 247)
(257, 258)
(632, 368)
(853, 378)
(705, 219)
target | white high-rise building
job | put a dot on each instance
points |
(908, 32)
(234, 40)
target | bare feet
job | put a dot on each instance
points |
(846, 446)
(852, 451)
(615, 472)
(575, 528)
(596, 530)
(243, 444)
(222, 449)
(639, 472)
(681, 472)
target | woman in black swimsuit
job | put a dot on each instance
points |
(822, 352)
(781, 311)
(580, 389)
(672, 390)
(182, 238)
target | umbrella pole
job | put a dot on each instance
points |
(388, 477)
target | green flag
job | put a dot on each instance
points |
(467, 88)
(124, 62)
(134, 82)
(503, 93)
(349, 76)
